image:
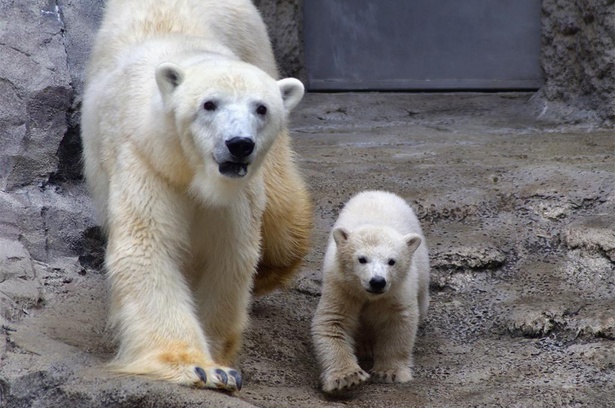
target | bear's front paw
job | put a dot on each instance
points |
(339, 381)
(215, 377)
(396, 375)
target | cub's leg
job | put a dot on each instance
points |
(394, 328)
(333, 329)
(151, 305)
(287, 221)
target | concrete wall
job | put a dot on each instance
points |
(578, 55)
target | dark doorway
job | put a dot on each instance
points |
(423, 44)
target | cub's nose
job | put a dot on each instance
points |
(377, 284)
(240, 147)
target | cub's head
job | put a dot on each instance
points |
(374, 259)
(227, 113)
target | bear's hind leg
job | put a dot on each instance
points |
(287, 221)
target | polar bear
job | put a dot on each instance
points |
(375, 290)
(188, 158)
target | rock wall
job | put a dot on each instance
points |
(578, 58)
(44, 45)
(45, 212)
(35, 89)
(284, 19)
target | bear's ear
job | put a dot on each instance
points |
(340, 235)
(292, 91)
(168, 77)
(413, 241)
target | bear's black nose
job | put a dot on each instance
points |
(377, 284)
(240, 147)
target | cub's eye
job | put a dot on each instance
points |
(210, 106)
(391, 262)
(362, 260)
(261, 110)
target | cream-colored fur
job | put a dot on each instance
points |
(375, 289)
(186, 232)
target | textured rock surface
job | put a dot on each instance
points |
(518, 213)
(578, 57)
(35, 90)
(284, 19)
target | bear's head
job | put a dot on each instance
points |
(374, 259)
(227, 115)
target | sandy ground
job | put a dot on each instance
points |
(519, 216)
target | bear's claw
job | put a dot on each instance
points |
(229, 379)
(238, 378)
(201, 373)
(222, 376)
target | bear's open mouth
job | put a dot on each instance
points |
(233, 169)
(375, 292)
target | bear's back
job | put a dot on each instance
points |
(205, 25)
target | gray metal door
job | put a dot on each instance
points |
(422, 44)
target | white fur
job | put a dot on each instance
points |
(377, 235)
(184, 239)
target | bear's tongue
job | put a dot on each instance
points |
(233, 169)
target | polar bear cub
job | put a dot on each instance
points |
(375, 290)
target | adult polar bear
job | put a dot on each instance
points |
(188, 158)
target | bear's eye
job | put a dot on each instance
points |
(391, 262)
(261, 110)
(210, 106)
(362, 260)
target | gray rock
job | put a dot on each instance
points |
(578, 61)
(15, 261)
(538, 318)
(37, 89)
(50, 222)
(284, 20)
(469, 257)
(596, 233)
(20, 286)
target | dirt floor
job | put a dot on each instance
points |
(520, 220)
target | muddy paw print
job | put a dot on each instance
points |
(340, 381)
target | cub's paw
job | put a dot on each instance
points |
(396, 375)
(340, 381)
(218, 377)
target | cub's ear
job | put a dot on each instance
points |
(340, 235)
(413, 241)
(168, 77)
(292, 91)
